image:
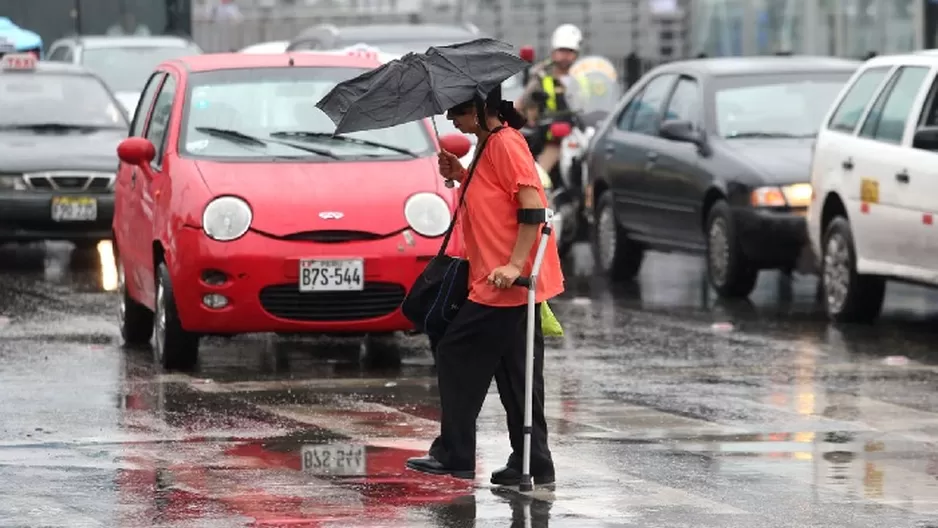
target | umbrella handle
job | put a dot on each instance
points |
(449, 183)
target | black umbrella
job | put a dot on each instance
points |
(418, 86)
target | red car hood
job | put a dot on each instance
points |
(287, 197)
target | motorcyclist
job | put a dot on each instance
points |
(546, 92)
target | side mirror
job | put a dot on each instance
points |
(527, 54)
(926, 138)
(456, 144)
(560, 129)
(680, 130)
(136, 151)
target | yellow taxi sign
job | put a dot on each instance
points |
(18, 62)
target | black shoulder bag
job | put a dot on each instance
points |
(443, 286)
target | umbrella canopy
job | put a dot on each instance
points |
(418, 86)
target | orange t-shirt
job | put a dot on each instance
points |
(489, 222)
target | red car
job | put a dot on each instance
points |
(238, 211)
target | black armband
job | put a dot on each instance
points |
(533, 216)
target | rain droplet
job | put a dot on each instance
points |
(391, 384)
(722, 327)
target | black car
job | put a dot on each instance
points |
(712, 156)
(389, 38)
(59, 130)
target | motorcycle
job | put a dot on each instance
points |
(592, 96)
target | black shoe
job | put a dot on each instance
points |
(509, 476)
(428, 464)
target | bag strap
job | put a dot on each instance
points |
(465, 187)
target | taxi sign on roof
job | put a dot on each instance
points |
(18, 62)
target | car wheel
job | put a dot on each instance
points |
(135, 320)
(618, 257)
(848, 296)
(174, 347)
(728, 270)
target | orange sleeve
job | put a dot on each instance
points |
(513, 162)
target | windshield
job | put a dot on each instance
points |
(790, 105)
(67, 100)
(126, 69)
(278, 107)
(399, 47)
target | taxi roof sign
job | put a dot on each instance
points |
(18, 62)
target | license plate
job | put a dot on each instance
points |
(74, 209)
(332, 275)
(334, 459)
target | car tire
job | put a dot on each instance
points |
(617, 256)
(134, 319)
(848, 296)
(173, 348)
(729, 271)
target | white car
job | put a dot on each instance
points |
(274, 46)
(875, 180)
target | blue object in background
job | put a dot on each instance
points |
(19, 39)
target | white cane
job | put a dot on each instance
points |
(531, 284)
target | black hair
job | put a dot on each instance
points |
(493, 106)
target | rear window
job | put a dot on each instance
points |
(126, 69)
(70, 100)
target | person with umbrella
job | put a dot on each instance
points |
(486, 339)
(486, 335)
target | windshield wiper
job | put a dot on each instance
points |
(48, 126)
(326, 135)
(241, 137)
(757, 134)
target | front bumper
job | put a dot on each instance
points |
(262, 284)
(27, 216)
(774, 239)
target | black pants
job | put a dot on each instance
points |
(484, 342)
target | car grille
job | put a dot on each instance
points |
(334, 236)
(69, 181)
(375, 300)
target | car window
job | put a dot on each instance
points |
(886, 119)
(60, 53)
(159, 118)
(851, 107)
(277, 107)
(28, 99)
(628, 113)
(126, 69)
(685, 102)
(779, 105)
(146, 101)
(648, 112)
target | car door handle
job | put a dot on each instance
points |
(847, 164)
(902, 177)
(133, 178)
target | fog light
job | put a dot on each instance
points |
(214, 277)
(214, 300)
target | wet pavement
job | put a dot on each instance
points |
(667, 408)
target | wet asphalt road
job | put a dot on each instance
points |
(667, 408)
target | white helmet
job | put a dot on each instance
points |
(566, 36)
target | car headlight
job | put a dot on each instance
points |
(12, 182)
(226, 218)
(427, 214)
(797, 195)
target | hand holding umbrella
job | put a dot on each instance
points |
(418, 86)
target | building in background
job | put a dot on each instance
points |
(848, 28)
